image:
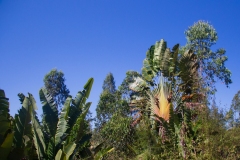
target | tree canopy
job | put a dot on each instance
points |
(54, 81)
(109, 83)
(200, 38)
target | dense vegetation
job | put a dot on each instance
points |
(168, 111)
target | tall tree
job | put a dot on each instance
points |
(54, 81)
(109, 83)
(200, 38)
(235, 109)
(106, 104)
(110, 102)
(236, 102)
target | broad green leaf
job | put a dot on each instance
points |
(175, 53)
(23, 127)
(78, 102)
(68, 150)
(147, 71)
(6, 146)
(82, 96)
(50, 112)
(51, 149)
(59, 155)
(38, 137)
(5, 123)
(62, 123)
(77, 130)
(159, 50)
(88, 87)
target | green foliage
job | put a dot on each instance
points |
(23, 130)
(55, 137)
(109, 83)
(78, 102)
(200, 38)
(68, 134)
(54, 82)
(105, 107)
(5, 120)
(214, 141)
(77, 131)
(236, 102)
(159, 58)
(50, 112)
(124, 87)
(66, 152)
(6, 127)
(103, 153)
(188, 72)
(110, 102)
(38, 137)
(234, 112)
(5, 147)
(174, 102)
(113, 124)
(117, 132)
(160, 113)
(62, 122)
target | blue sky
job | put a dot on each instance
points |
(92, 38)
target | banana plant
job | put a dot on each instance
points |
(6, 127)
(57, 137)
(63, 134)
(22, 144)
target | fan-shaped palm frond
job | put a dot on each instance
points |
(160, 100)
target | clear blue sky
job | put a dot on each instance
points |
(86, 38)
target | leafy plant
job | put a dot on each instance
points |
(57, 137)
(6, 127)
